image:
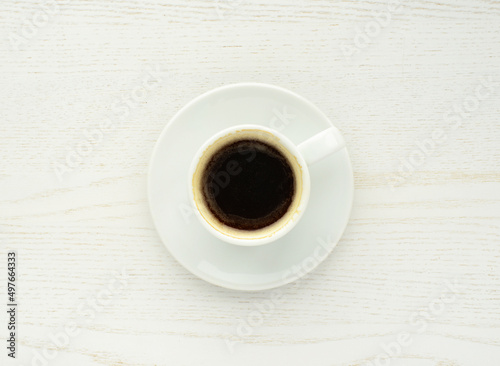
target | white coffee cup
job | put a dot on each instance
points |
(299, 157)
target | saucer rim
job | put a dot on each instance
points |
(202, 275)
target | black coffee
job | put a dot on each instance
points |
(248, 184)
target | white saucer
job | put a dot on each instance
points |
(228, 265)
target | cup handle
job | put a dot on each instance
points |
(321, 145)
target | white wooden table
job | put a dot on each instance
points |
(415, 88)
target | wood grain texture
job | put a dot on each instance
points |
(404, 242)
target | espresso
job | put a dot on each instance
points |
(248, 184)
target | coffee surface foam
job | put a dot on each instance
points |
(202, 205)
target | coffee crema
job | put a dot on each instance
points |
(248, 184)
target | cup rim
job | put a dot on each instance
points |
(287, 226)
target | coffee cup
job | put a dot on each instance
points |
(250, 184)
